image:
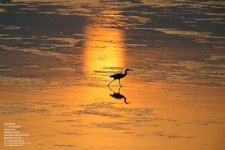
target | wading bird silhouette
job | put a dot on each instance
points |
(118, 76)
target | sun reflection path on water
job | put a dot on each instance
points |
(103, 47)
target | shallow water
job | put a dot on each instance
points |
(56, 57)
(161, 116)
(178, 42)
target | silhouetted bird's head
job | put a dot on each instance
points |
(128, 70)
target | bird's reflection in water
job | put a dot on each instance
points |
(117, 95)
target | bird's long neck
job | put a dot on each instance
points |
(125, 73)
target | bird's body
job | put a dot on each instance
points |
(118, 76)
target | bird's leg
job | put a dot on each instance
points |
(119, 82)
(110, 89)
(111, 82)
(119, 89)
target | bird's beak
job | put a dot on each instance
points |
(131, 70)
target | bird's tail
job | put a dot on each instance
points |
(111, 76)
